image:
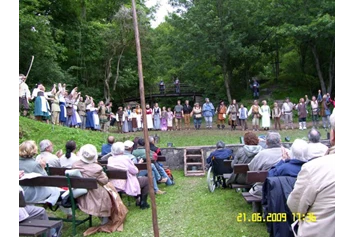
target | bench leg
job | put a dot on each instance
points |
(256, 207)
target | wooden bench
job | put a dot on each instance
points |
(254, 177)
(111, 173)
(241, 169)
(35, 227)
(69, 182)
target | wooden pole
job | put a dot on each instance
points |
(145, 128)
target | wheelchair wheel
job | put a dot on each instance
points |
(210, 180)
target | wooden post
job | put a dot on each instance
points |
(145, 128)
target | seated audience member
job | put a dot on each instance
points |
(291, 167)
(221, 153)
(104, 201)
(267, 158)
(315, 147)
(244, 155)
(46, 149)
(313, 196)
(70, 157)
(140, 154)
(133, 186)
(128, 146)
(27, 163)
(159, 166)
(106, 148)
(32, 212)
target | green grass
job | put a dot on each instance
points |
(187, 209)
(33, 130)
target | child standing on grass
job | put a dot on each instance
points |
(170, 119)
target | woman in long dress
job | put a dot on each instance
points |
(156, 116)
(125, 120)
(265, 112)
(149, 113)
(139, 117)
(42, 110)
(164, 119)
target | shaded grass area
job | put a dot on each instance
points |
(187, 209)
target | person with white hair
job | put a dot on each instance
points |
(312, 199)
(133, 186)
(291, 167)
(315, 147)
(46, 149)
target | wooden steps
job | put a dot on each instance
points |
(194, 162)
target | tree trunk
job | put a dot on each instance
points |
(118, 68)
(108, 76)
(319, 70)
(226, 76)
(331, 68)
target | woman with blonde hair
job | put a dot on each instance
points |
(265, 115)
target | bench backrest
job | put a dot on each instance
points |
(240, 168)
(111, 173)
(60, 181)
(160, 158)
(256, 176)
(227, 163)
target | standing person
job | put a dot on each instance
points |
(62, 104)
(196, 113)
(276, 115)
(156, 116)
(102, 115)
(233, 114)
(82, 111)
(55, 108)
(149, 113)
(256, 114)
(109, 116)
(314, 112)
(177, 85)
(129, 118)
(134, 120)
(170, 119)
(161, 87)
(287, 111)
(164, 119)
(187, 110)
(178, 114)
(221, 112)
(243, 115)
(119, 119)
(89, 113)
(313, 195)
(325, 112)
(265, 113)
(255, 88)
(125, 120)
(208, 112)
(139, 117)
(42, 110)
(302, 114)
(24, 95)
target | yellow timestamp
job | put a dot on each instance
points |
(275, 217)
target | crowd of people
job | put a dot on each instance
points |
(310, 195)
(74, 110)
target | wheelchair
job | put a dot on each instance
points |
(215, 173)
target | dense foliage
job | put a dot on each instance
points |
(217, 46)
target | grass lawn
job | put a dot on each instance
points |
(187, 209)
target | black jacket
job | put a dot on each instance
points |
(275, 193)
